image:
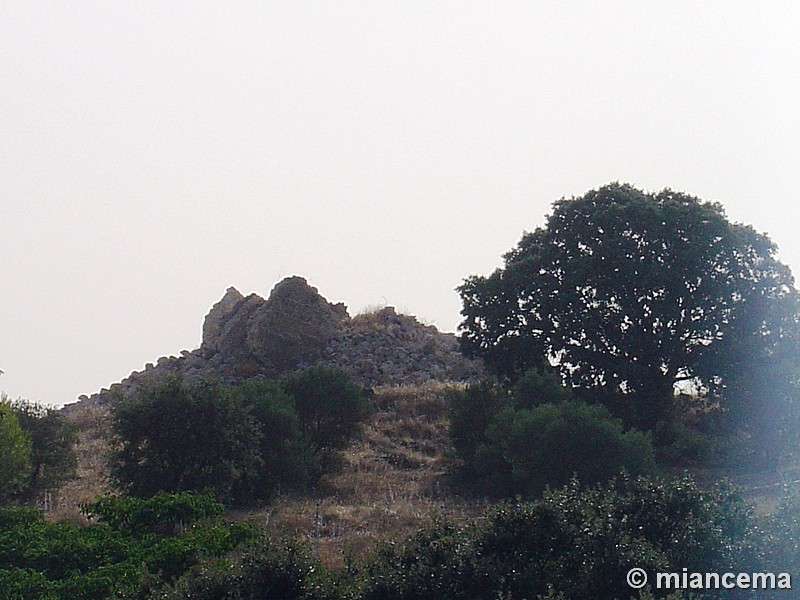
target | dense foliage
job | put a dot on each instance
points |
(575, 542)
(538, 436)
(15, 452)
(631, 292)
(176, 436)
(55, 561)
(267, 569)
(53, 437)
(287, 458)
(163, 511)
(244, 442)
(329, 404)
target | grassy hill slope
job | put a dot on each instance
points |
(393, 477)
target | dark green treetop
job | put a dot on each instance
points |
(631, 292)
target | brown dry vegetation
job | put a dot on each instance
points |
(91, 477)
(393, 478)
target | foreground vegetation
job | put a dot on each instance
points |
(574, 542)
(244, 442)
(163, 536)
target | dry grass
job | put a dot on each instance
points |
(392, 479)
(91, 478)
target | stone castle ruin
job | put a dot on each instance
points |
(246, 337)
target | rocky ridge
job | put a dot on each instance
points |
(246, 337)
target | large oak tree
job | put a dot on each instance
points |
(630, 293)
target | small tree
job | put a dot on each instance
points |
(15, 452)
(288, 461)
(472, 410)
(539, 436)
(175, 436)
(329, 404)
(53, 439)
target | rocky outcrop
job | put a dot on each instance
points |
(293, 327)
(249, 337)
(218, 314)
(384, 348)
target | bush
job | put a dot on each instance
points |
(329, 404)
(138, 516)
(176, 436)
(472, 410)
(573, 543)
(15, 452)
(246, 443)
(431, 565)
(539, 386)
(288, 461)
(53, 437)
(549, 444)
(539, 436)
(57, 560)
(782, 536)
(268, 569)
(681, 442)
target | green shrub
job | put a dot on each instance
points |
(782, 536)
(176, 436)
(53, 437)
(15, 452)
(549, 444)
(679, 443)
(472, 410)
(538, 435)
(288, 460)
(575, 542)
(585, 540)
(431, 565)
(329, 404)
(268, 569)
(59, 560)
(139, 515)
(246, 442)
(539, 386)
(51, 560)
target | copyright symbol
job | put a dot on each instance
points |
(637, 578)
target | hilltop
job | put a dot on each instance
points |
(247, 337)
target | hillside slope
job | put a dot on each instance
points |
(393, 477)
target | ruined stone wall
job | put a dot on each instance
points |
(249, 337)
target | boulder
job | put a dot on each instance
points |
(212, 325)
(293, 327)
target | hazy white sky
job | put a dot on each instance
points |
(154, 153)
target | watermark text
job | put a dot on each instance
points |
(685, 580)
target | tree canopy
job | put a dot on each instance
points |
(15, 451)
(245, 442)
(630, 293)
(329, 404)
(53, 437)
(176, 436)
